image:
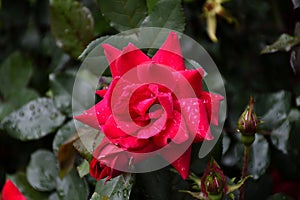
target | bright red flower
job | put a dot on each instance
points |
(11, 192)
(99, 170)
(109, 153)
(150, 103)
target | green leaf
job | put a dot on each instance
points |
(295, 59)
(63, 134)
(151, 4)
(83, 169)
(124, 14)
(284, 43)
(296, 3)
(62, 85)
(297, 29)
(96, 196)
(89, 140)
(232, 187)
(21, 182)
(22, 96)
(63, 146)
(72, 25)
(42, 171)
(273, 109)
(72, 187)
(33, 121)
(166, 14)
(15, 73)
(54, 196)
(66, 156)
(259, 157)
(118, 188)
(279, 196)
(294, 139)
(298, 101)
(280, 136)
(92, 46)
(5, 109)
(83, 91)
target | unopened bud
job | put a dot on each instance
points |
(213, 181)
(248, 124)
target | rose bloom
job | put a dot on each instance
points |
(11, 192)
(150, 103)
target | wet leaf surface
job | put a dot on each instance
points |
(34, 120)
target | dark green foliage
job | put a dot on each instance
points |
(42, 41)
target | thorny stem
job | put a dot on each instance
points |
(244, 172)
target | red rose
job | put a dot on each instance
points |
(99, 170)
(150, 103)
(108, 152)
(11, 192)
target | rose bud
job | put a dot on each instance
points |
(213, 181)
(99, 170)
(248, 123)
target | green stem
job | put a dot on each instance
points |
(244, 172)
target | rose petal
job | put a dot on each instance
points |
(106, 149)
(99, 170)
(165, 99)
(194, 78)
(97, 115)
(111, 129)
(175, 131)
(170, 53)
(101, 93)
(141, 100)
(154, 128)
(182, 164)
(158, 74)
(112, 54)
(131, 143)
(11, 192)
(131, 57)
(195, 116)
(118, 137)
(212, 104)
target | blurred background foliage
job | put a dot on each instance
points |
(41, 41)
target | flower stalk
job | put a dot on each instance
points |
(244, 171)
(247, 126)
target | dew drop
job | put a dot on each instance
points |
(53, 116)
(119, 194)
(31, 107)
(125, 193)
(21, 114)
